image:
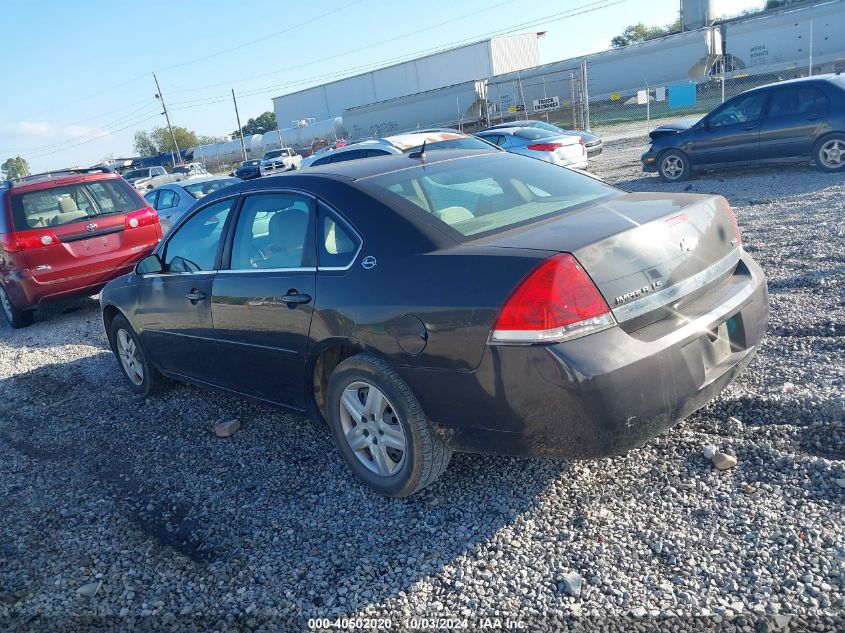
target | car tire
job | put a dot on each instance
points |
(673, 166)
(829, 153)
(392, 414)
(15, 317)
(143, 378)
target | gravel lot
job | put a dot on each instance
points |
(268, 528)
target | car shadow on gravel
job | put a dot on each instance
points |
(50, 317)
(271, 507)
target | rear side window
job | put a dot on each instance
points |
(797, 101)
(273, 232)
(167, 199)
(65, 204)
(338, 244)
(489, 193)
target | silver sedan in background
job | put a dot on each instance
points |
(556, 148)
(172, 200)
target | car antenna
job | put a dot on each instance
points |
(420, 154)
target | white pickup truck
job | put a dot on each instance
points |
(148, 178)
(279, 160)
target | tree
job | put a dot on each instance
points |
(15, 167)
(158, 140)
(259, 125)
(640, 33)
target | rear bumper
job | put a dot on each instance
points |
(28, 293)
(595, 150)
(596, 396)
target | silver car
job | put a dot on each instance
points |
(556, 148)
(172, 200)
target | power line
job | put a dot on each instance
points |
(260, 39)
(131, 125)
(555, 17)
(211, 100)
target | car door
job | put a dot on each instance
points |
(174, 306)
(263, 302)
(795, 117)
(731, 133)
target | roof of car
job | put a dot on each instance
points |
(378, 165)
(831, 77)
(55, 179)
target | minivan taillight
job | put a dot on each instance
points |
(144, 217)
(556, 302)
(30, 240)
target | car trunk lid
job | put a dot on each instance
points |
(643, 251)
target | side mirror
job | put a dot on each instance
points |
(150, 264)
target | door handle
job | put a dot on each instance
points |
(194, 296)
(293, 299)
(748, 128)
(813, 117)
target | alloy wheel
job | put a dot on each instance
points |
(129, 358)
(832, 153)
(372, 428)
(6, 303)
(672, 167)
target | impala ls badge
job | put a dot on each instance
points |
(368, 262)
(90, 227)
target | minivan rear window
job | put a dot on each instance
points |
(491, 193)
(66, 204)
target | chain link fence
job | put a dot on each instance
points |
(560, 98)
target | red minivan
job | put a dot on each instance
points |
(68, 233)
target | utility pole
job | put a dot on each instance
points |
(240, 129)
(160, 97)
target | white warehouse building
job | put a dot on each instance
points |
(477, 61)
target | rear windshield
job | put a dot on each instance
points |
(532, 133)
(491, 193)
(72, 203)
(200, 189)
(469, 142)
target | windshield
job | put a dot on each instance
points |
(489, 193)
(200, 189)
(179, 170)
(73, 203)
(136, 173)
(250, 163)
(274, 154)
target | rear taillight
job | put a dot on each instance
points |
(732, 216)
(30, 240)
(144, 217)
(545, 147)
(556, 302)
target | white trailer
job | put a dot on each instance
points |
(787, 40)
(452, 106)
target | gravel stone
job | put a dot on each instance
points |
(178, 522)
(723, 461)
